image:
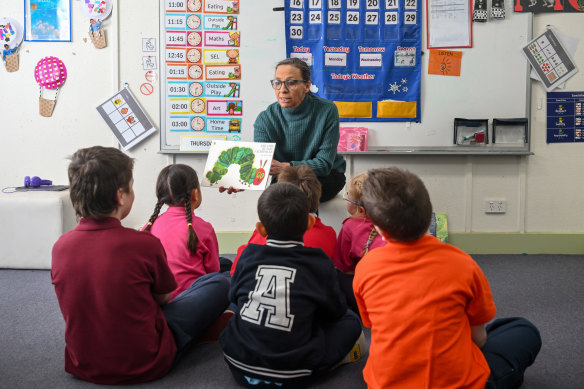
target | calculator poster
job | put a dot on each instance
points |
(364, 55)
(202, 70)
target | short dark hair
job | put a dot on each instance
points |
(299, 64)
(95, 176)
(283, 210)
(397, 201)
(304, 178)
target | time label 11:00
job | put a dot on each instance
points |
(175, 5)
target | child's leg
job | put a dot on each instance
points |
(190, 313)
(512, 345)
(346, 284)
(340, 339)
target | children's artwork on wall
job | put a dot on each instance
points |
(49, 73)
(11, 35)
(47, 20)
(242, 165)
(540, 6)
(126, 119)
(96, 11)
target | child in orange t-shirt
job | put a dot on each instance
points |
(427, 303)
(320, 235)
(356, 238)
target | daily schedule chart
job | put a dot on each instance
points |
(365, 55)
(202, 73)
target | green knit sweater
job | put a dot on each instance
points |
(305, 135)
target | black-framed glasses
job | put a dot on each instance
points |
(290, 84)
(353, 202)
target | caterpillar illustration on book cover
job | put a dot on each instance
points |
(242, 165)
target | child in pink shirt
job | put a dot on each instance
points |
(189, 241)
(357, 237)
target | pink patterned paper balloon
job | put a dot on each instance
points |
(50, 72)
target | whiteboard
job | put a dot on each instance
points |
(494, 80)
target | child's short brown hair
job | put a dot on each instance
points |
(397, 201)
(95, 176)
(304, 178)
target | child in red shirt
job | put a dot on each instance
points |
(427, 303)
(320, 235)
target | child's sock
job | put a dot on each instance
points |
(356, 352)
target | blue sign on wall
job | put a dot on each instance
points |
(565, 117)
(365, 55)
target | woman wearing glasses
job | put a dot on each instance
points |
(304, 127)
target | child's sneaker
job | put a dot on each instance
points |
(214, 330)
(356, 352)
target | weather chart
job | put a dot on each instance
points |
(365, 55)
(200, 56)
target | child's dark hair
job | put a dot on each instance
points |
(174, 187)
(95, 176)
(397, 201)
(304, 178)
(283, 210)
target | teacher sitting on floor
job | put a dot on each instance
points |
(304, 127)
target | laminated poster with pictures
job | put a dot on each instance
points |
(550, 60)
(241, 165)
(126, 119)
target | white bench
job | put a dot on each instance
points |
(30, 223)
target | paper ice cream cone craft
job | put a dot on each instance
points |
(96, 11)
(11, 35)
(49, 73)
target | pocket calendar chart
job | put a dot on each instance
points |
(364, 55)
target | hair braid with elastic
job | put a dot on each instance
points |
(193, 239)
(372, 234)
(155, 214)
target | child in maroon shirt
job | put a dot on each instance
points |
(113, 283)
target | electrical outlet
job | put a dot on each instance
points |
(495, 206)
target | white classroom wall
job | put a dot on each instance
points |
(543, 191)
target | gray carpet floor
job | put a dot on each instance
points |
(546, 289)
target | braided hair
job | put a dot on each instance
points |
(372, 234)
(174, 187)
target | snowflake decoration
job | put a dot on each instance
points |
(394, 88)
(404, 81)
(405, 89)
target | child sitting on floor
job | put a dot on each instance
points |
(320, 235)
(291, 324)
(189, 241)
(113, 283)
(356, 238)
(427, 302)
